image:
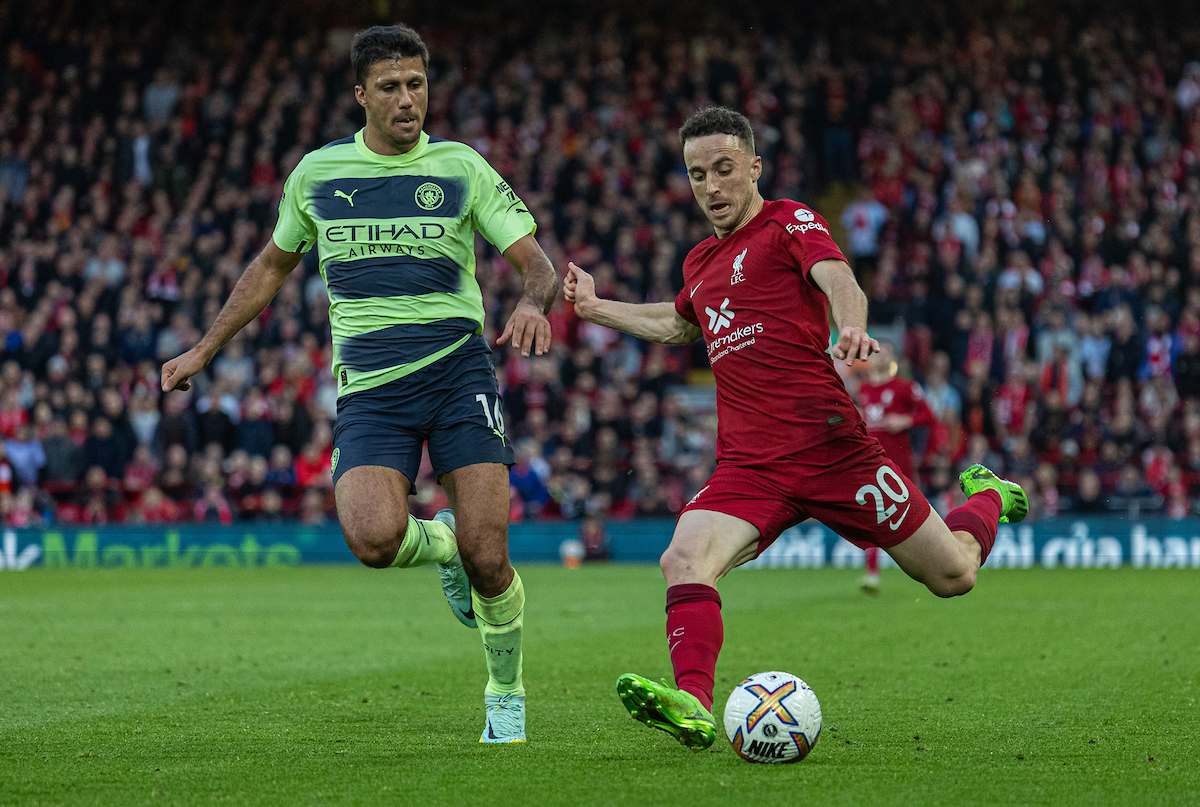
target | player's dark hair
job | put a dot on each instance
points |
(718, 120)
(381, 43)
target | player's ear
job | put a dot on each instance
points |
(756, 168)
(360, 95)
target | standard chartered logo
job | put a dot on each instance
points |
(430, 196)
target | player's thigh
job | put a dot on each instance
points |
(376, 455)
(738, 513)
(479, 496)
(939, 558)
(706, 545)
(372, 506)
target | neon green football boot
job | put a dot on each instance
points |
(660, 706)
(1015, 505)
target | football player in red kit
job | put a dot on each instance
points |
(791, 444)
(891, 406)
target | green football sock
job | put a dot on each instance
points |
(500, 620)
(425, 542)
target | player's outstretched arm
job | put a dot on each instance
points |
(849, 307)
(655, 322)
(256, 288)
(528, 326)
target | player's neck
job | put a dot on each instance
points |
(755, 207)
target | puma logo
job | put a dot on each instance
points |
(349, 198)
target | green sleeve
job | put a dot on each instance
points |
(498, 212)
(295, 231)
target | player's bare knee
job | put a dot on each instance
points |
(489, 576)
(675, 562)
(682, 564)
(486, 564)
(953, 586)
(376, 544)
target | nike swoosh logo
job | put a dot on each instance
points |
(693, 292)
(896, 524)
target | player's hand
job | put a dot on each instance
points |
(177, 371)
(528, 329)
(854, 344)
(579, 288)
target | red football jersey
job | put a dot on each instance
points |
(896, 396)
(766, 324)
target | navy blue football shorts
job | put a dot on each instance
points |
(453, 404)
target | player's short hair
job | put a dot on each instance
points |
(718, 120)
(381, 43)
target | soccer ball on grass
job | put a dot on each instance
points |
(772, 717)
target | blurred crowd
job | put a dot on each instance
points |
(1020, 198)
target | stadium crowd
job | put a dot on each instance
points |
(1026, 224)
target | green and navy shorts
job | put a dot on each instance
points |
(454, 405)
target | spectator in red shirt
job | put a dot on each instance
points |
(312, 466)
(212, 507)
(153, 507)
(12, 416)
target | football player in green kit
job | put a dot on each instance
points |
(393, 213)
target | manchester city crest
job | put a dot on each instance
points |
(430, 196)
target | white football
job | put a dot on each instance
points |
(772, 717)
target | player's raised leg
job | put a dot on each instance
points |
(945, 555)
(705, 547)
(479, 496)
(372, 504)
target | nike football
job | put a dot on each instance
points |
(772, 717)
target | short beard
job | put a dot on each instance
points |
(398, 143)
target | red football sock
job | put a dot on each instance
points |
(694, 636)
(980, 516)
(873, 560)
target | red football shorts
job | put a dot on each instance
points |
(847, 484)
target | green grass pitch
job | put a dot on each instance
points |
(342, 685)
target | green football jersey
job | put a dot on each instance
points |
(396, 239)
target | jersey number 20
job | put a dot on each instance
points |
(898, 494)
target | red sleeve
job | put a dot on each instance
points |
(683, 307)
(807, 239)
(922, 415)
